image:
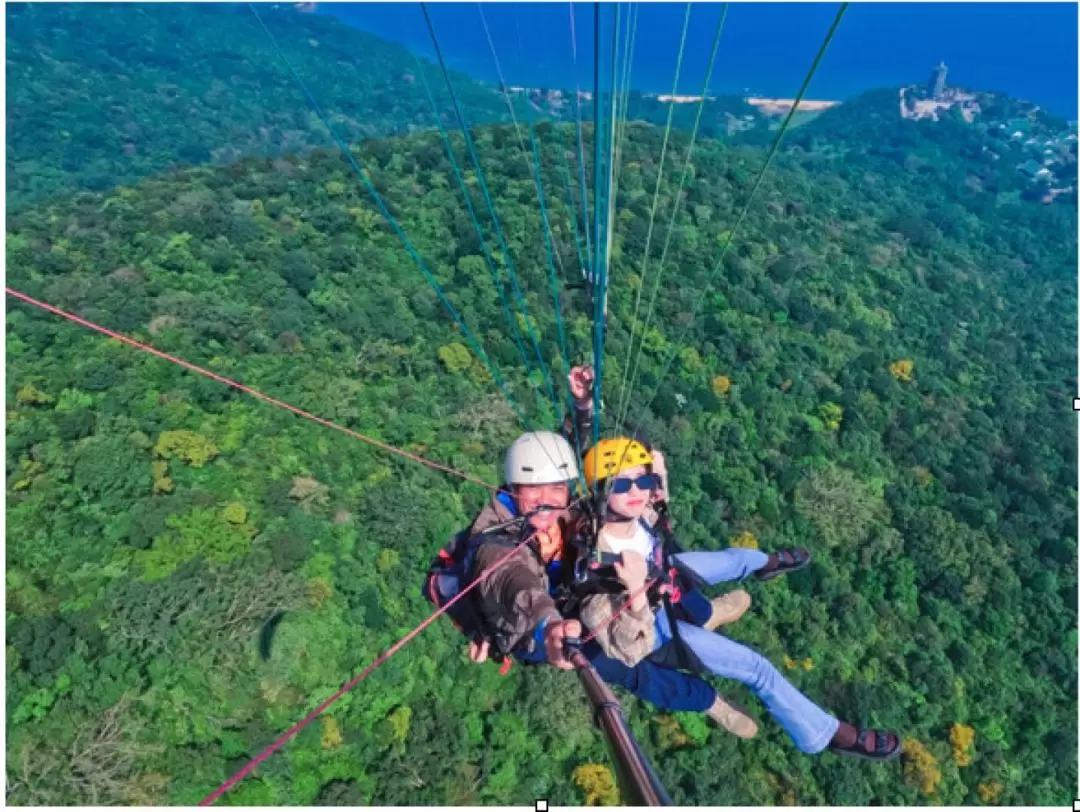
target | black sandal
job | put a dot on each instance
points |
(882, 750)
(786, 561)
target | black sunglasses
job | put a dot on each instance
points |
(645, 482)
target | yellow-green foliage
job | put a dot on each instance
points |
(201, 532)
(395, 727)
(331, 733)
(691, 360)
(29, 469)
(192, 448)
(235, 513)
(388, 559)
(598, 784)
(365, 219)
(831, 415)
(30, 395)
(455, 357)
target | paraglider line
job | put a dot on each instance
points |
(394, 225)
(245, 389)
(496, 278)
(348, 686)
(628, 388)
(581, 147)
(485, 193)
(750, 199)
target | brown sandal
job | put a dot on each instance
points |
(886, 746)
(786, 561)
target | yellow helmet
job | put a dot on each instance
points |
(610, 457)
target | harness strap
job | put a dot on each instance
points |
(684, 655)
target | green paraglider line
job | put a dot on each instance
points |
(490, 206)
(479, 350)
(581, 148)
(753, 192)
(496, 279)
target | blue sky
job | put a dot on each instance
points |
(1026, 49)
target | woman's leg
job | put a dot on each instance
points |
(693, 607)
(732, 564)
(810, 727)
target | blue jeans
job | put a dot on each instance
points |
(732, 564)
(693, 607)
(662, 687)
(810, 727)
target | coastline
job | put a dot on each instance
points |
(777, 107)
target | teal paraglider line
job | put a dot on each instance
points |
(749, 200)
(564, 164)
(381, 205)
(601, 214)
(515, 331)
(581, 149)
(490, 206)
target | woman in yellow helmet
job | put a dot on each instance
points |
(619, 462)
(620, 472)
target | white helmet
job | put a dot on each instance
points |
(540, 458)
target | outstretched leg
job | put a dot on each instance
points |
(715, 567)
(810, 727)
(736, 563)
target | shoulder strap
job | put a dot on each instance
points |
(507, 501)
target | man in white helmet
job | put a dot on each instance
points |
(516, 604)
(539, 470)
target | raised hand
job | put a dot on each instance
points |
(581, 383)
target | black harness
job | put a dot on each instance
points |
(594, 573)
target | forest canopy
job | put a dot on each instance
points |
(880, 370)
(102, 94)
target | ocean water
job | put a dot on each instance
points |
(1028, 50)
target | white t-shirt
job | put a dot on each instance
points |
(642, 542)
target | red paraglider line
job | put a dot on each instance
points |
(626, 605)
(348, 686)
(245, 389)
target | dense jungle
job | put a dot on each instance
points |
(880, 368)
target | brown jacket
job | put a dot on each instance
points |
(514, 599)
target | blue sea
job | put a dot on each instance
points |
(1028, 50)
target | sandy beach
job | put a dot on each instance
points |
(774, 107)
